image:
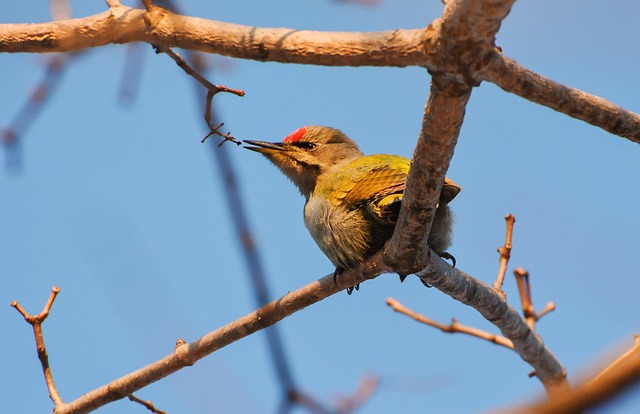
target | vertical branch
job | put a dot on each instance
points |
(505, 254)
(524, 289)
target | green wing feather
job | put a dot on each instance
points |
(375, 182)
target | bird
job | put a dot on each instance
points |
(352, 200)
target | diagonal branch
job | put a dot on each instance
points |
(440, 129)
(185, 355)
(493, 307)
(514, 78)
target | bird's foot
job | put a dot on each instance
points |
(335, 280)
(448, 256)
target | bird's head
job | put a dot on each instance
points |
(308, 153)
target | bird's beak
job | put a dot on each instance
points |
(264, 147)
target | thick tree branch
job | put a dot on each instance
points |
(460, 45)
(510, 76)
(163, 28)
(440, 129)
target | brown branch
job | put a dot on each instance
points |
(36, 322)
(464, 34)
(524, 289)
(441, 125)
(453, 327)
(447, 45)
(505, 254)
(514, 78)
(212, 90)
(493, 307)
(147, 404)
(162, 28)
(620, 376)
(187, 354)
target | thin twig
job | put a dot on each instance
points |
(36, 322)
(212, 90)
(147, 404)
(505, 254)
(524, 289)
(454, 327)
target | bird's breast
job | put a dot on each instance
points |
(344, 235)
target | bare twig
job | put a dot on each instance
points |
(524, 289)
(505, 254)
(147, 404)
(36, 322)
(453, 327)
(212, 90)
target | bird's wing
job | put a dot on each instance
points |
(379, 188)
(376, 183)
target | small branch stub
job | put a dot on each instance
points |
(505, 254)
(524, 289)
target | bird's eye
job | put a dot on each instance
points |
(307, 146)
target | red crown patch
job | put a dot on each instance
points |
(296, 135)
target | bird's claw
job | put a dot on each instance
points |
(350, 289)
(335, 281)
(448, 256)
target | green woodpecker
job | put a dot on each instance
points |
(352, 200)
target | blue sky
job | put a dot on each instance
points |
(121, 206)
